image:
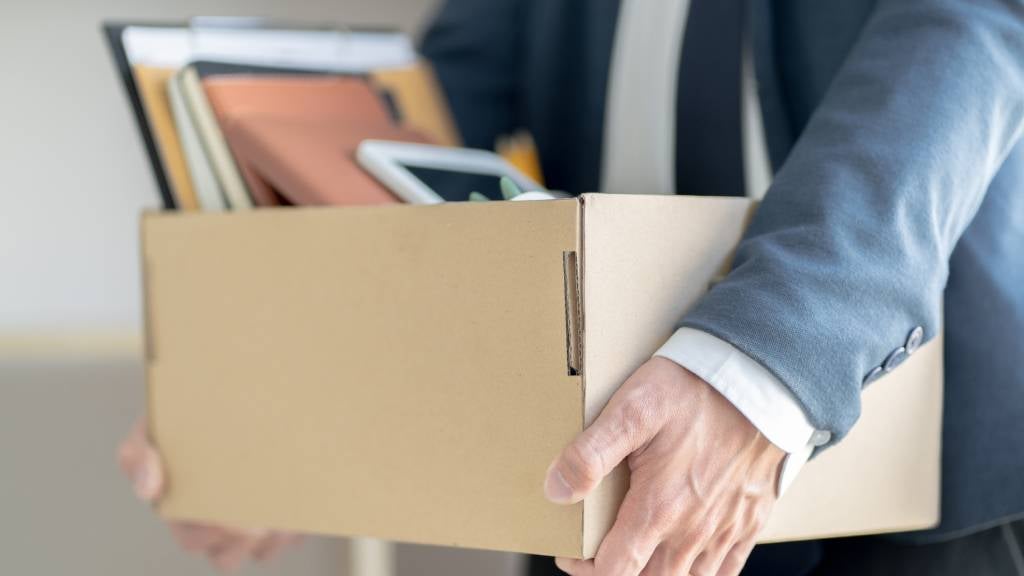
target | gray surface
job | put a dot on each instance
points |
(437, 561)
(64, 507)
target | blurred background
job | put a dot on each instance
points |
(73, 180)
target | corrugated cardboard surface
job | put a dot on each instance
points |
(396, 372)
(402, 371)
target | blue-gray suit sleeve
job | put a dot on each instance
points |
(849, 250)
(475, 50)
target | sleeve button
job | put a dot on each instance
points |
(820, 437)
(914, 340)
(875, 373)
(895, 359)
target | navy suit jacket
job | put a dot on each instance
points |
(893, 129)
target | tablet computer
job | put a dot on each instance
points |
(425, 174)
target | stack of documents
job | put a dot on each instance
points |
(239, 114)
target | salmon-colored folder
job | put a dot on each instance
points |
(312, 161)
(336, 101)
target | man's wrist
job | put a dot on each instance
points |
(757, 394)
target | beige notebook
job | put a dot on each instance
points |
(235, 191)
(207, 188)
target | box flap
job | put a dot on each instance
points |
(449, 320)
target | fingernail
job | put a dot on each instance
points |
(563, 564)
(556, 488)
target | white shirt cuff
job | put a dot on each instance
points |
(753, 390)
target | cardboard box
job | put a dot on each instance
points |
(409, 372)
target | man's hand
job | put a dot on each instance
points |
(226, 548)
(702, 479)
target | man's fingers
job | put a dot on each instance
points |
(131, 449)
(230, 556)
(575, 567)
(234, 552)
(191, 537)
(141, 463)
(149, 477)
(663, 561)
(203, 538)
(228, 549)
(273, 545)
(670, 558)
(711, 558)
(632, 540)
(737, 557)
(623, 426)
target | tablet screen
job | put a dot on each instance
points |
(455, 186)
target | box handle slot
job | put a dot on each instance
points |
(573, 316)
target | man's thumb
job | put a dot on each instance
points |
(588, 459)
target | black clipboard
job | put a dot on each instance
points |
(113, 32)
